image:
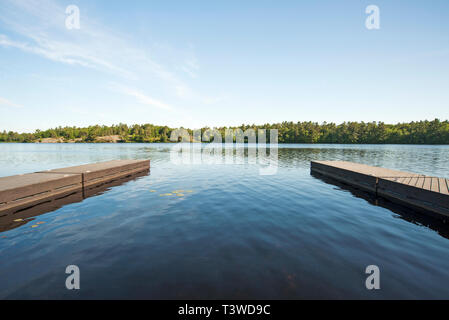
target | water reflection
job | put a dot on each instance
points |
(240, 235)
(402, 212)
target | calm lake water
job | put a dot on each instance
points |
(236, 234)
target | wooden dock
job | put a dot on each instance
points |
(23, 191)
(14, 218)
(420, 192)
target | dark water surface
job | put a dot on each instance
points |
(233, 234)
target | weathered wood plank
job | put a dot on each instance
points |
(402, 179)
(32, 188)
(420, 182)
(427, 183)
(408, 179)
(23, 186)
(434, 185)
(443, 186)
(413, 181)
(13, 218)
(424, 193)
(96, 173)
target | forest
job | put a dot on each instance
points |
(419, 132)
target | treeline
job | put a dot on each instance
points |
(421, 132)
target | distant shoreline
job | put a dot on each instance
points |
(435, 132)
(280, 143)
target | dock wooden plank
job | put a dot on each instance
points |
(424, 193)
(13, 218)
(402, 180)
(407, 180)
(104, 171)
(30, 189)
(366, 169)
(427, 183)
(420, 182)
(413, 181)
(26, 189)
(22, 186)
(443, 186)
(434, 185)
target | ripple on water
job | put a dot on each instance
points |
(224, 231)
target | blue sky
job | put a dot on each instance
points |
(196, 63)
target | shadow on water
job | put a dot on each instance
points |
(403, 212)
(15, 219)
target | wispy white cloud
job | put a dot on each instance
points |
(191, 67)
(7, 103)
(40, 25)
(190, 64)
(142, 98)
(152, 77)
(45, 50)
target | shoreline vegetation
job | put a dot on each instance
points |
(420, 132)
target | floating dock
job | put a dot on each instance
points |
(420, 192)
(24, 191)
(17, 218)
